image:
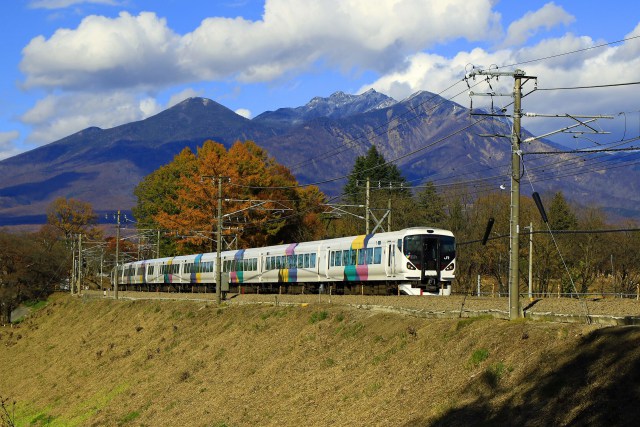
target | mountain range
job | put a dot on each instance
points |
(428, 137)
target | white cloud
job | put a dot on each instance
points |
(243, 112)
(57, 116)
(101, 53)
(142, 51)
(7, 144)
(548, 16)
(585, 68)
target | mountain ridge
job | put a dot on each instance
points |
(427, 136)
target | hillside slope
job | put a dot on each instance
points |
(106, 362)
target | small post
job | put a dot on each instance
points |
(79, 264)
(478, 285)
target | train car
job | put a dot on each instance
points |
(413, 261)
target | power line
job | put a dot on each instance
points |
(570, 52)
(578, 151)
(590, 87)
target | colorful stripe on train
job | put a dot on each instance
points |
(288, 275)
(354, 273)
(195, 276)
(237, 276)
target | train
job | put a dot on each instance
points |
(412, 261)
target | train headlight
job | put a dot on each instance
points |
(450, 267)
(411, 266)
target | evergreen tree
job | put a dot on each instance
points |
(561, 216)
(431, 206)
(380, 173)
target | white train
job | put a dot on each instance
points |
(412, 261)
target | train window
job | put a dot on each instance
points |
(369, 255)
(362, 256)
(354, 256)
(312, 261)
(332, 258)
(377, 255)
(400, 244)
(447, 247)
(413, 247)
(306, 261)
(300, 261)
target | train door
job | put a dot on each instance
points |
(430, 255)
(327, 251)
(390, 265)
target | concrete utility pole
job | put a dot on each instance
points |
(366, 210)
(514, 230)
(219, 243)
(514, 224)
(115, 285)
(530, 261)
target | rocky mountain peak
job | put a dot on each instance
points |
(338, 105)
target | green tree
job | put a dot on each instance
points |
(29, 269)
(561, 216)
(432, 207)
(381, 175)
(387, 185)
(157, 193)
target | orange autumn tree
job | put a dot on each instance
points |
(262, 202)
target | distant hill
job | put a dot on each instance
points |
(432, 138)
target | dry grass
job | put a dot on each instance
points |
(105, 362)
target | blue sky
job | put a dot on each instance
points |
(71, 64)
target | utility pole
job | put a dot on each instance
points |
(514, 230)
(115, 285)
(367, 206)
(72, 280)
(530, 261)
(516, 153)
(219, 243)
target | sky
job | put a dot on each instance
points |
(71, 64)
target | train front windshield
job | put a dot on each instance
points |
(425, 252)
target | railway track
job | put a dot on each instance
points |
(603, 311)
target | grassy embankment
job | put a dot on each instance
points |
(105, 362)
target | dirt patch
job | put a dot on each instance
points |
(310, 362)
